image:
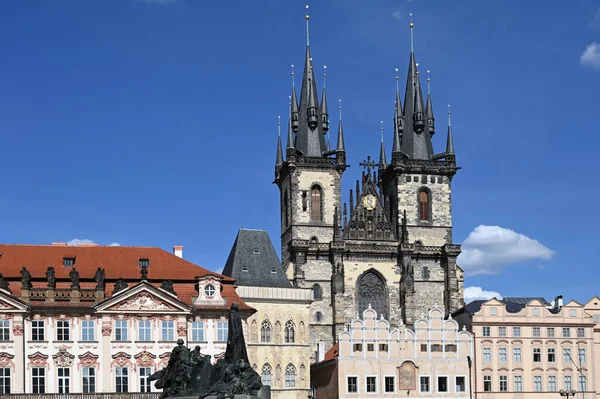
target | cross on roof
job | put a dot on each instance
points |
(368, 164)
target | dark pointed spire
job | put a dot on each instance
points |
(345, 216)
(398, 116)
(351, 202)
(358, 189)
(312, 117)
(382, 159)
(337, 233)
(429, 108)
(340, 139)
(323, 110)
(449, 141)
(419, 114)
(290, 148)
(294, 112)
(279, 158)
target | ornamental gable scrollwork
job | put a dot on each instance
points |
(144, 359)
(38, 360)
(63, 358)
(88, 359)
(143, 301)
(120, 359)
(6, 360)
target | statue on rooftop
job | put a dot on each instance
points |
(144, 272)
(50, 277)
(99, 279)
(26, 278)
(4, 284)
(120, 285)
(74, 276)
(167, 285)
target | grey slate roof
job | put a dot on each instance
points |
(254, 262)
(525, 300)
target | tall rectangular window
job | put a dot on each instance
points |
(551, 355)
(352, 385)
(64, 375)
(517, 355)
(424, 384)
(122, 379)
(168, 330)
(502, 354)
(38, 380)
(37, 331)
(518, 383)
(537, 355)
(4, 330)
(487, 383)
(315, 204)
(537, 383)
(503, 383)
(390, 384)
(567, 383)
(537, 332)
(487, 354)
(580, 332)
(552, 383)
(485, 331)
(121, 330)
(582, 356)
(516, 331)
(460, 384)
(87, 330)
(442, 384)
(371, 383)
(62, 330)
(222, 331)
(566, 355)
(88, 379)
(145, 330)
(502, 331)
(582, 383)
(144, 373)
(198, 331)
(566, 332)
(4, 380)
(550, 332)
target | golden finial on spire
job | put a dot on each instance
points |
(324, 75)
(279, 125)
(381, 131)
(412, 39)
(307, 18)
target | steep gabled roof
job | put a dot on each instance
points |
(254, 262)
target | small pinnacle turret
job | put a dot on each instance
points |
(418, 115)
(341, 147)
(429, 108)
(382, 158)
(323, 110)
(449, 140)
(279, 157)
(294, 112)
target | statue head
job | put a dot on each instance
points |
(234, 306)
(180, 341)
(197, 348)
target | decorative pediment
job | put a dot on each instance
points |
(209, 291)
(11, 304)
(144, 359)
(88, 359)
(63, 359)
(368, 219)
(121, 359)
(38, 359)
(6, 360)
(142, 298)
(142, 301)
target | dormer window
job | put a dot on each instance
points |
(256, 252)
(273, 270)
(144, 262)
(68, 262)
(244, 268)
(209, 291)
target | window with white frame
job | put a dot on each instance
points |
(502, 331)
(502, 355)
(516, 331)
(64, 377)
(517, 355)
(485, 331)
(87, 330)
(537, 355)
(566, 355)
(581, 353)
(537, 331)
(4, 330)
(580, 332)
(371, 384)
(442, 384)
(144, 373)
(144, 330)
(487, 354)
(4, 380)
(567, 383)
(424, 384)
(518, 383)
(198, 331)
(537, 383)
(121, 330)
(352, 384)
(88, 379)
(487, 383)
(62, 330)
(390, 384)
(222, 331)
(552, 383)
(550, 332)
(582, 383)
(38, 380)
(503, 379)
(290, 376)
(167, 329)
(37, 332)
(122, 379)
(566, 332)
(266, 374)
(460, 384)
(551, 355)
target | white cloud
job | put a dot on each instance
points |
(398, 14)
(475, 293)
(591, 56)
(115, 244)
(77, 241)
(488, 249)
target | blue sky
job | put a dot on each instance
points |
(154, 122)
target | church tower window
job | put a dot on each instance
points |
(372, 291)
(315, 204)
(424, 205)
(265, 331)
(317, 292)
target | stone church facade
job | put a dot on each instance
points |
(390, 245)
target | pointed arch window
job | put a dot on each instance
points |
(290, 376)
(318, 317)
(424, 205)
(317, 292)
(372, 291)
(425, 273)
(266, 374)
(315, 204)
(289, 333)
(265, 331)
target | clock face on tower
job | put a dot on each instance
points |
(369, 201)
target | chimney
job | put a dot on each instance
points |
(59, 244)
(557, 303)
(178, 251)
(320, 351)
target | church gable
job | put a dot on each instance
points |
(368, 220)
(142, 298)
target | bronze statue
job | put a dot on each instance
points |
(120, 285)
(26, 278)
(99, 279)
(4, 284)
(74, 275)
(144, 272)
(167, 285)
(50, 277)
(236, 346)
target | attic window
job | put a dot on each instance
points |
(144, 262)
(244, 268)
(68, 262)
(273, 270)
(256, 252)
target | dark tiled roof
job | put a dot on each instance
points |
(475, 306)
(253, 261)
(525, 300)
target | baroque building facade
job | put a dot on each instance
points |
(92, 319)
(391, 245)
